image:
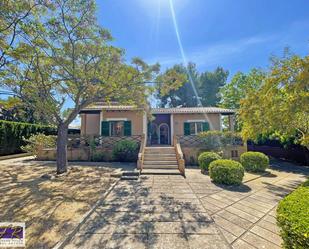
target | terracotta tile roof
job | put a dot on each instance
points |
(192, 110)
(103, 106)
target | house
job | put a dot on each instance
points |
(163, 133)
(166, 136)
(159, 125)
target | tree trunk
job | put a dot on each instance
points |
(62, 139)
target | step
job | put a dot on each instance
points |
(160, 153)
(130, 178)
(130, 173)
(155, 166)
(160, 172)
(174, 162)
(161, 158)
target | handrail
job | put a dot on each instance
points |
(141, 153)
(179, 155)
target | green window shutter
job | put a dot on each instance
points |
(205, 126)
(186, 129)
(105, 128)
(127, 128)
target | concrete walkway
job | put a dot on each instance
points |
(172, 212)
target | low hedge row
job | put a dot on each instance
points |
(293, 218)
(12, 134)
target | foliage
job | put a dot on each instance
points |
(226, 172)
(206, 158)
(210, 84)
(13, 133)
(15, 18)
(239, 87)
(66, 59)
(206, 85)
(184, 95)
(13, 109)
(293, 218)
(241, 84)
(218, 140)
(281, 105)
(37, 142)
(99, 156)
(254, 161)
(125, 151)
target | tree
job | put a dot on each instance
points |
(239, 87)
(209, 84)
(14, 109)
(241, 84)
(184, 95)
(281, 105)
(199, 89)
(15, 16)
(66, 58)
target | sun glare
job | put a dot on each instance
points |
(164, 5)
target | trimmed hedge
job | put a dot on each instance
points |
(293, 218)
(254, 161)
(12, 134)
(226, 172)
(125, 151)
(206, 158)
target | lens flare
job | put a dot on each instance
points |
(183, 56)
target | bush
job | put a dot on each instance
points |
(125, 151)
(206, 158)
(226, 171)
(293, 218)
(99, 156)
(12, 135)
(37, 142)
(254, 161)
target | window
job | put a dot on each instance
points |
(234, 153)
(193, 128)
(116, 128)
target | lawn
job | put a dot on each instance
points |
(51, 206)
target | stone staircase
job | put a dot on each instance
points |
(160, 158)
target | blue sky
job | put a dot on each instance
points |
(236, 35)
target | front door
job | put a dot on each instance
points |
(163, 134)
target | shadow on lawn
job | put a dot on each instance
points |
(49, 207)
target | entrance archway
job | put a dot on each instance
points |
(164, 134)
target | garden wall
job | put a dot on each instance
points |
(12, 133)
(230, 152)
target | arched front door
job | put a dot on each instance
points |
(164, 134)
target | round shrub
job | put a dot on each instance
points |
(206, 158)
(254, 161)
(293, 219)
(226, 171)
(125, 151)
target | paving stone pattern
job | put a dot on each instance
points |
(169, 211)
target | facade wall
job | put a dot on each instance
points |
(180, 119)
(136, 117)
(90, 124)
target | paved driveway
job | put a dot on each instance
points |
(172, 212)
